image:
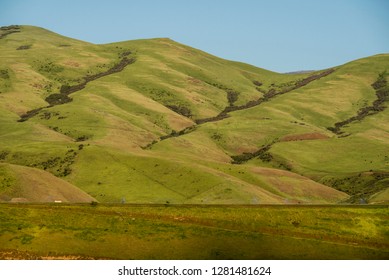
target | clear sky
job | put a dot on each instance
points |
(279, 35)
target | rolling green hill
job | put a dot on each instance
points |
(26, 184)
(155, 121)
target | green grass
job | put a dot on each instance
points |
(194, 232)
(7, 179)
(111, 121)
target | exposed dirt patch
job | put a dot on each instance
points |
(194, 81)
(71, 63)
(25, 255)
(305, 136)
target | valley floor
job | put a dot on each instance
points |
(103, 231)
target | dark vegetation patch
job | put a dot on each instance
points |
(82, 138)
(360, 186)
(58, 98)
(179, 133)
(66, 90)
(232, 95)
(174, 133)
(125, 54)
(48, 67)
(258, 85)
(24, 239)
(6, 30)
(217, 136)
(31, 114)
(180, 109)
(219, 117)
(262, 154)
(72, 134)
(304, 136)
(6, 180)
(59, 166)
(159, 94)
(382, 93)
(169, 100)
(47, 115)
(3, 155)
(48, 87)
(5, 81)
(219, 86)
(4, 74)
(24, 47)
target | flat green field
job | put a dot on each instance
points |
(87, 231)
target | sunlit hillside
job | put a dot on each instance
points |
(155, 121)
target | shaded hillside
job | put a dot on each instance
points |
(95, 116)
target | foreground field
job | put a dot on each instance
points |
(193, 232)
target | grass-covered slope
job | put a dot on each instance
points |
(296, 131)
(26, 184)
(157, 121)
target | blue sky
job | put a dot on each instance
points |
(279, 35)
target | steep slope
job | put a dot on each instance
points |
(157, 121)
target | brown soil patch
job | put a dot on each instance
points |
(194, 81)
(305, 136)
(72, 63)
(25, 255)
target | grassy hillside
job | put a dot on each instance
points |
(154, 121)
(26, 184)
(293, 131)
